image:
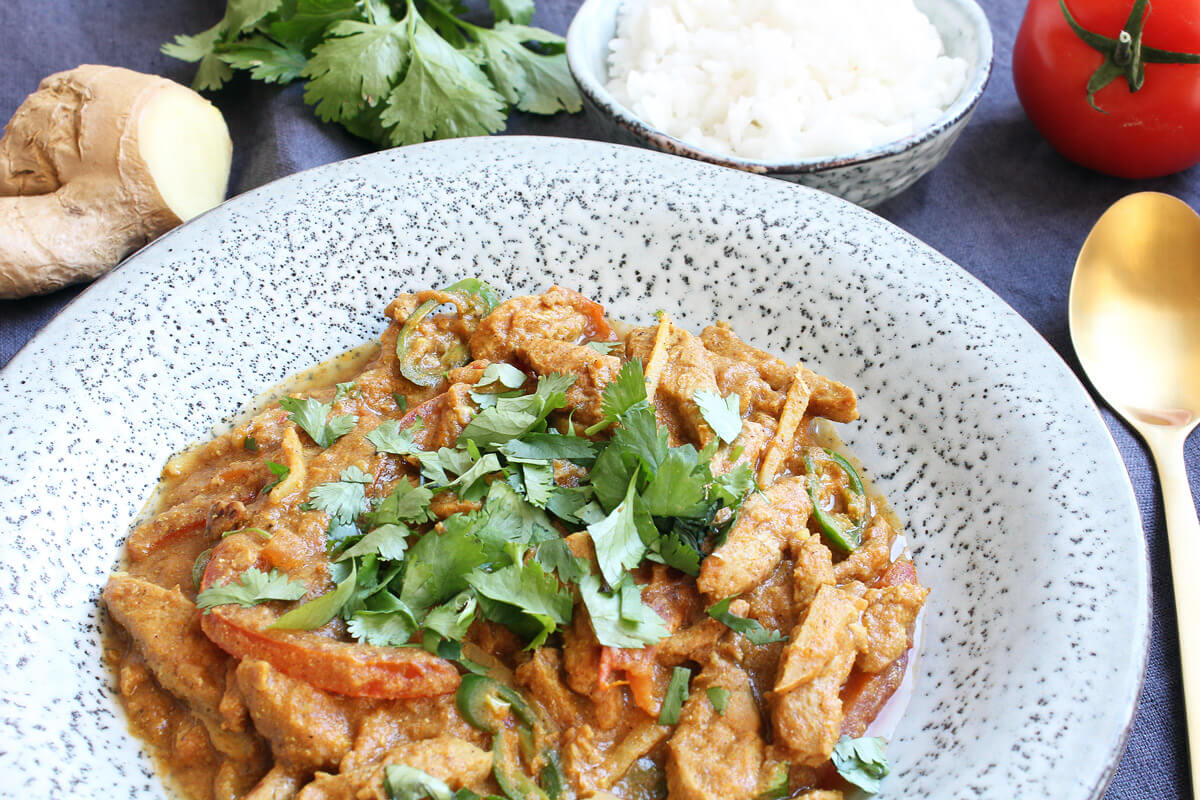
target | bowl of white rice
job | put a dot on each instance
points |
(859, 98)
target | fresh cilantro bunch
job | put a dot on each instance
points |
(395, 72)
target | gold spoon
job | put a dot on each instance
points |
(1135, 322)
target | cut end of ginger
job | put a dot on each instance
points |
(96, 163)
(187, 151)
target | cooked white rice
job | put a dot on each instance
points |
(782, 80)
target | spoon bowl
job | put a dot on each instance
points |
(1135, 323)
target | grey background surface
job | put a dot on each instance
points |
(1004, 205)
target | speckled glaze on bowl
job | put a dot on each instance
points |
(867, 177)
(1017, 505)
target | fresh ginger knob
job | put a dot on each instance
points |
(96, 163)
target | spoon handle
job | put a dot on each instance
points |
(1183, 534)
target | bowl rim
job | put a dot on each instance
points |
(595, 92)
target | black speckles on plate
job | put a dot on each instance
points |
(1015, 499)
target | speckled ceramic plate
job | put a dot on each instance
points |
(1017, 505)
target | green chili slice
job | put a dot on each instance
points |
(478, 700)
(472, 293)
(844, 535)
(513, 782)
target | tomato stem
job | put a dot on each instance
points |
(1124, 56)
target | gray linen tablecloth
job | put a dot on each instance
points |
(1003, 205)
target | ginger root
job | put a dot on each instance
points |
(96, 163)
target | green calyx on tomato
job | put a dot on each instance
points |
(1124, 56)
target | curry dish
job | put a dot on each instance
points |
(521, 553)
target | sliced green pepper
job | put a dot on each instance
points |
(479, 700)
(551, 778)
(473, 293)
(512, 780)
(847, 536)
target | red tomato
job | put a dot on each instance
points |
(1144, 134)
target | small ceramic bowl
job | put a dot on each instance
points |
(867, 177)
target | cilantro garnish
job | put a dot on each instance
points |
(641, 435)
(617, 623)
(752, 629)
(723, 415)
(719, 697)
(539, 483)
(512, 417)
(862, 761)
(279, 471)
(387, 541)
(347, 389)
(527, 590)
(343, 500)
(557, 557)
(618, 545)
(250, 443)
(313, 416)
(451, 619)
(437, 566)
(405, 503)
(251, 588)
(603, 348)
(623, 393)
(677, 694)
(549, 446)
(389, 438)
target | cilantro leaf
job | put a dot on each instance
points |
(513, 519)
(389, 438)
(383, 628)
(520, 11)
(676, 490)
(405, 503)
(343, 500)
(529, 589)
(549, 446)
(719, 697)
(266, 60)
(724, 416)
(513, 417)
(677, 694)
(319, 610)
(605, 609)
(306, 25)
(535, 82)
(618, 544)
(212, 72)
(437, 565)
(506, 375)
(752, 629)
(452, 618)
(539, 483)
(603, 348)
(610, 477)
(279, 471)
(241, 15)
(313, 416)
(862, 761)
(621, 394)
(640, 434)
(251, 588)
(557, 557)
(355, 67)
(443, 94)
(566, 501)
(678, 553)
(732, 487)
(387, 541)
